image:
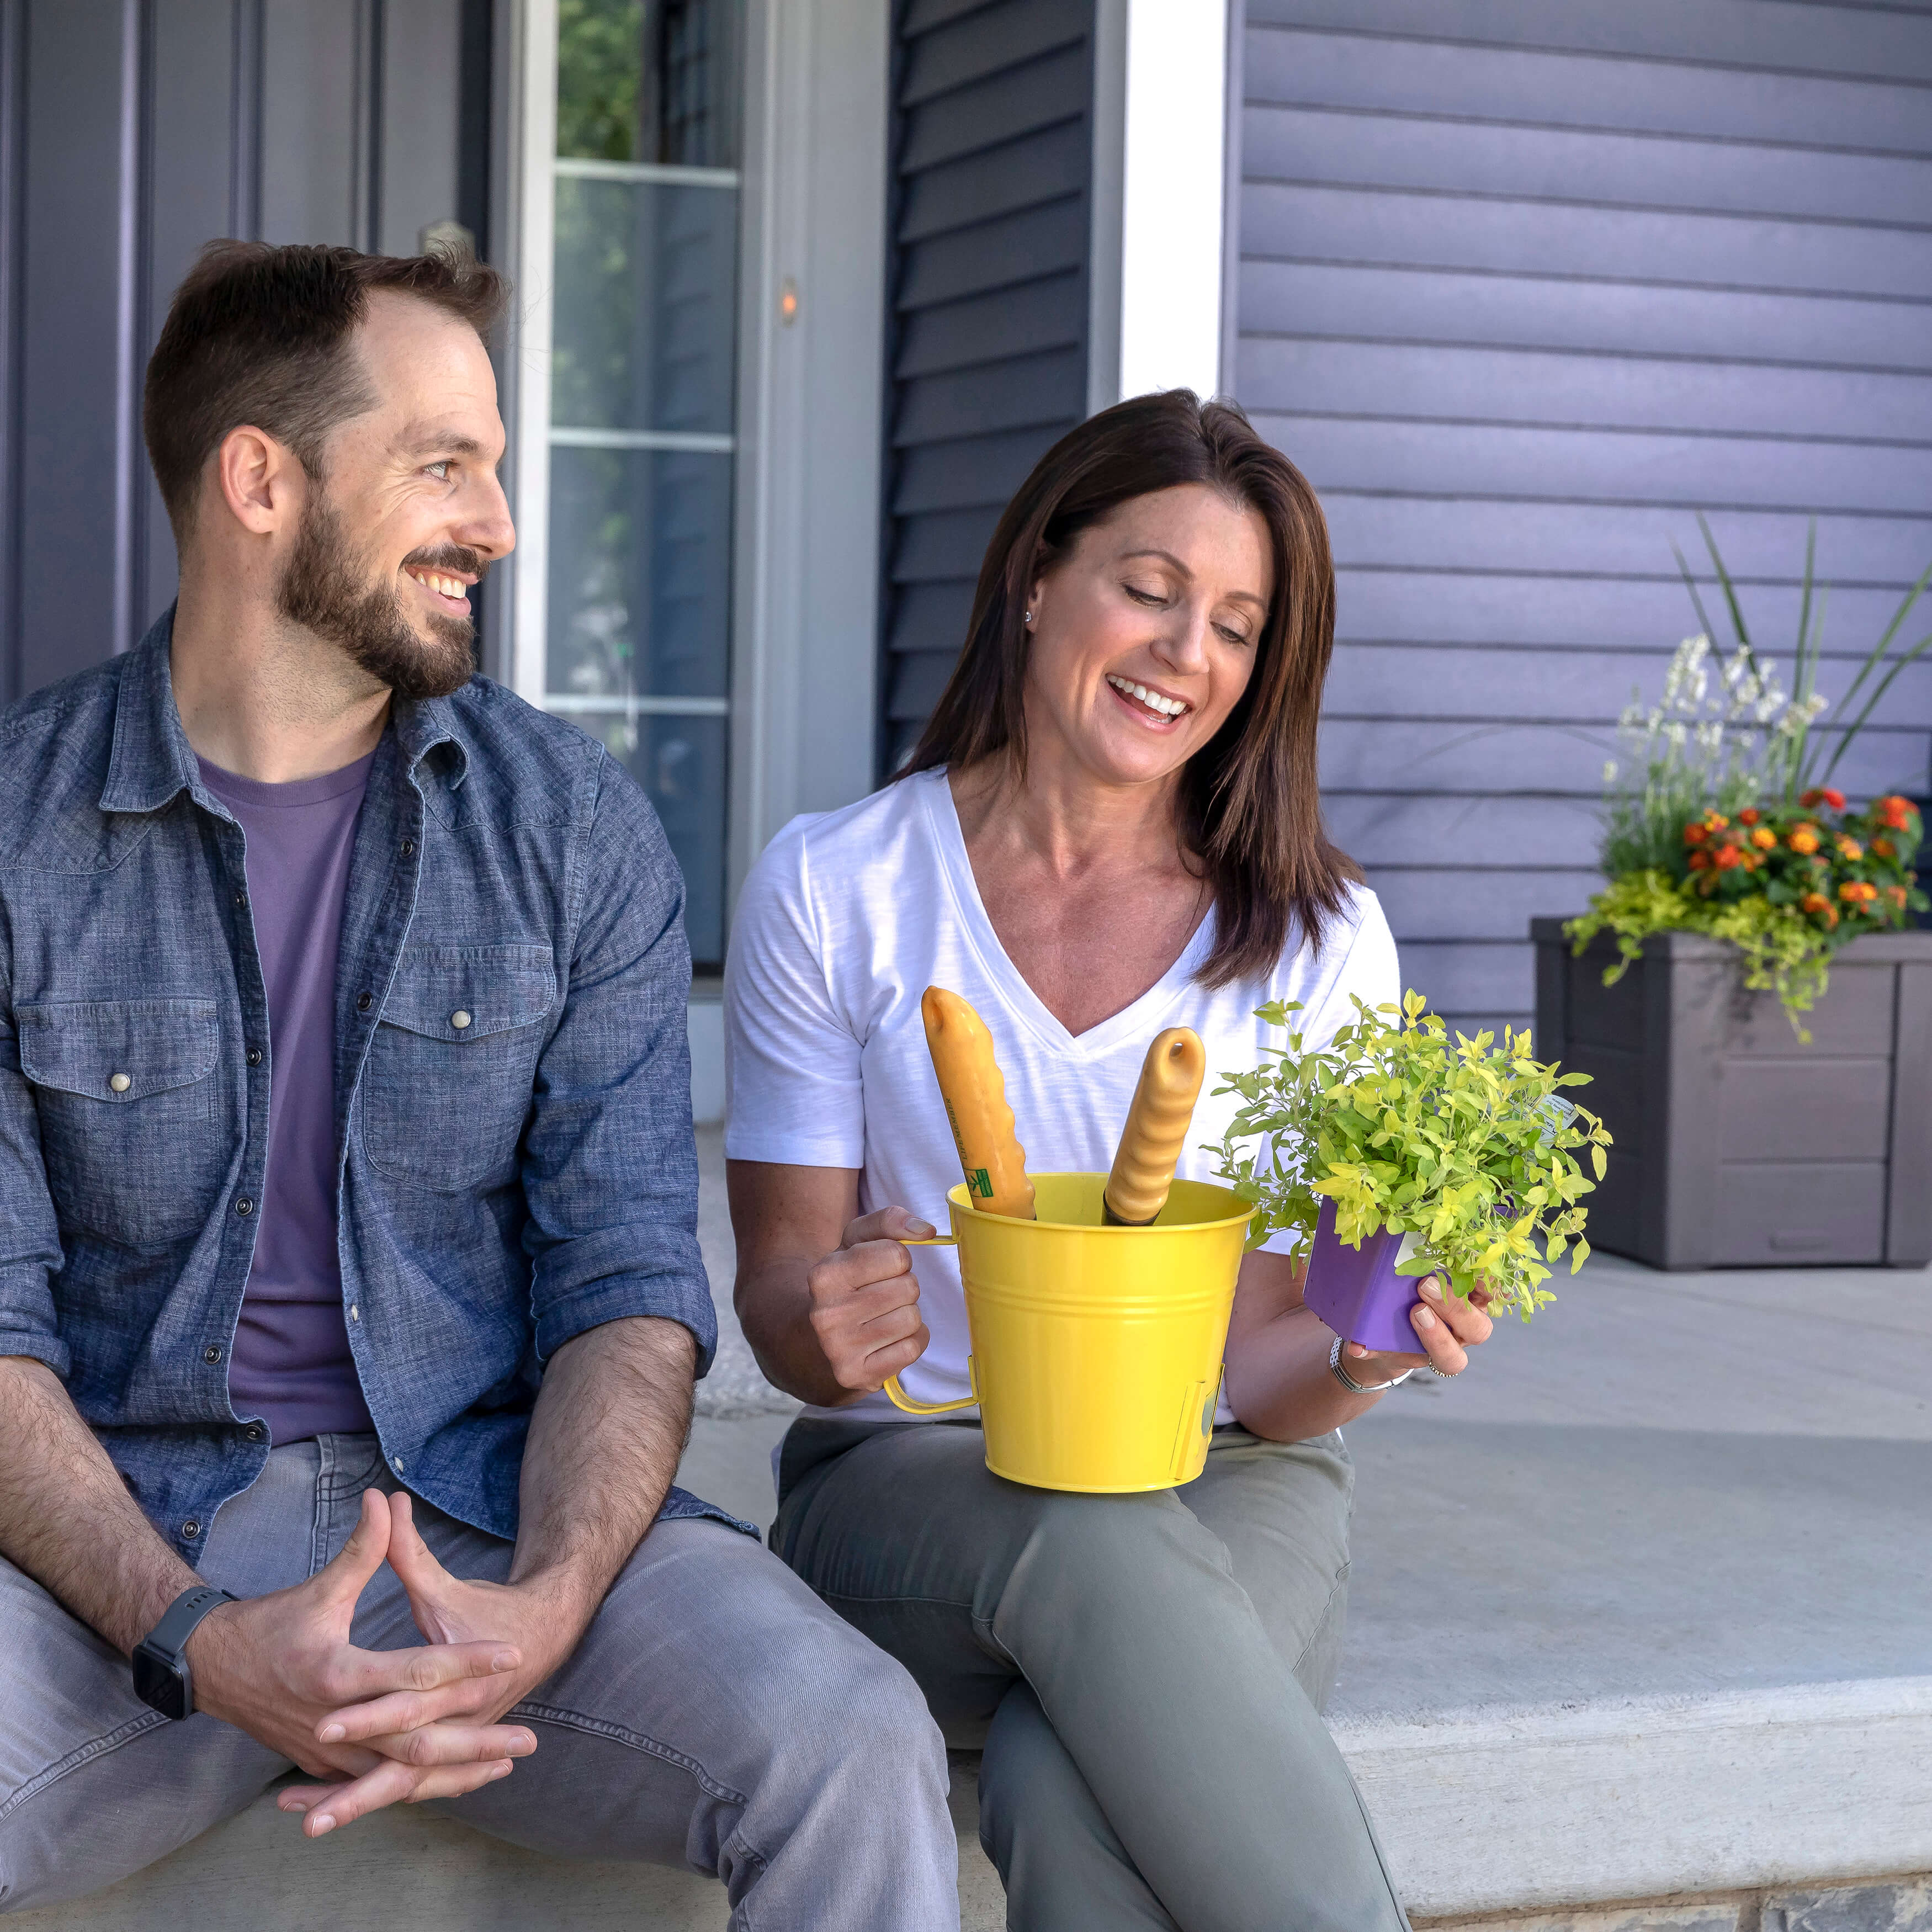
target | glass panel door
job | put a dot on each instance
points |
(643, 432)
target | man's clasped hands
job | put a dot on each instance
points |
(383, 1727)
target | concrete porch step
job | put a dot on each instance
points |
(1778, 1812)
(409, 1868)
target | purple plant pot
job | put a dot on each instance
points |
(1356, 1291)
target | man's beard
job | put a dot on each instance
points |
(326, 589)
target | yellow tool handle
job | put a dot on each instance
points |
(913, 1406)
(1151, 1143)
(976, 1104)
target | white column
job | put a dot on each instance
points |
(533, 188)
(1159, 178)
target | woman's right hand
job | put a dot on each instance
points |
(865, 1300)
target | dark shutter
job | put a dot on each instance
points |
(1522, 287)
(991, 166)
(129, 134)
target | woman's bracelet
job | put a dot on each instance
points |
(1348, 1382)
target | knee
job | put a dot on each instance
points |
(855, 1711)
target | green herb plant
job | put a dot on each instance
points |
(1469, 1146)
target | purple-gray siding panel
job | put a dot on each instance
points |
(1522, 289)
(1536, 463)
(1436, 75)
(1866, 41)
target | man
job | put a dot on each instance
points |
(348, 1261)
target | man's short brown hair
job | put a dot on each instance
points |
(262, 335)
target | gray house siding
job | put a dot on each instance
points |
(991, 162)
(1522, 287)
(132, 131)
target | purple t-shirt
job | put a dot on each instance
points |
(290, 1365)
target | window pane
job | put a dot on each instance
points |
(639, 572)
(680, 763)
(649, 80)
(646, 306)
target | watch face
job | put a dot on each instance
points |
(160, 1682)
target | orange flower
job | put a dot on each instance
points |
(1896, 896)
(1850, 848)
(1750, 815)
(1804, 838)
(1893, 811)
(1700, 862)
(1814, 902)
(1728, 858)
(1716, 820)
(1885, 848)
(1856, 892)
(1764, 838)
(1696, 834)
(1830, 794)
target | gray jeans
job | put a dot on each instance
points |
(1144, 1672)
(716, 1715)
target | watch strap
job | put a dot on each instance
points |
(178, 1621)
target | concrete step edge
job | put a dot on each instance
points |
(1495, 1807)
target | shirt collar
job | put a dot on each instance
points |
(152, 762)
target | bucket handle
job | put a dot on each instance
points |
(901, 1400)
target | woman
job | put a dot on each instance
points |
(1110, 826)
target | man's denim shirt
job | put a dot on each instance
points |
(502, 1186)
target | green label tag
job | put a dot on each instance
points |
(980, 1182)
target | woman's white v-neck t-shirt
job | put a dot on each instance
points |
(849, 915)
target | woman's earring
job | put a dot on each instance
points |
(1027, 617)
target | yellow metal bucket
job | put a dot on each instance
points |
(1096, 1350)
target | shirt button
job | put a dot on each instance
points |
(408, 847)
(120, 1082)
(191, 1529)
(364, 1001)
(459, 1019)
(355, 1313)
(242, 898)
(245, 1206)
(254, 1432)
(254, 1056)
(398, 1461)
(211, 1355)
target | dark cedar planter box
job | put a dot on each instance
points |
(1737, 1146)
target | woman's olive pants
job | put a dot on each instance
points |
(1143, 1673)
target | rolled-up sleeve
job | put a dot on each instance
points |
(609, 1168)
(30, 1251)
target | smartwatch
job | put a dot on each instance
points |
(162, 1679)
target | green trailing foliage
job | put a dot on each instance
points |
(1468, 1145)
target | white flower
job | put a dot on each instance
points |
(1609, 771)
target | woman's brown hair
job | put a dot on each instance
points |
(1250, 808)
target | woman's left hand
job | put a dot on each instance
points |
(1447, 1326)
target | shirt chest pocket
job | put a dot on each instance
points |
(446, 1089)
(131, 1127)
